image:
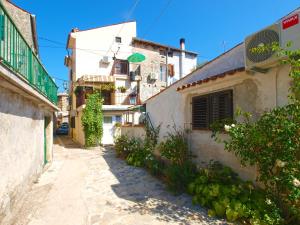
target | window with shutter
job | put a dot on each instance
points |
(171, 71)
(121, 67)
(200, 112)
(211, 108)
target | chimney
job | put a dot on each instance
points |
(181, 57)
(182, 43)
(74, 30)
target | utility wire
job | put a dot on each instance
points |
(164, 9)
(127, 19)
(82, 49)
(52, 41)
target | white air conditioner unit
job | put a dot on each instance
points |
(105, 60)
(262, 59)
(287, 30)
(153, 76)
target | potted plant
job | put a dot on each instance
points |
(122, 89)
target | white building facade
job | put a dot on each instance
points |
(99, 57)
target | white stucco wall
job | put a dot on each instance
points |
(92, 45)
(253, 93)
(189, 63)
(21, 148)
(133, 131)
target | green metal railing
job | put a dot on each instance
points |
(17, 54)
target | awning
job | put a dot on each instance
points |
(96, 79)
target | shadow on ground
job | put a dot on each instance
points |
(65, 141)
(150, 195)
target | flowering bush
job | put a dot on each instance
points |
(272, 143)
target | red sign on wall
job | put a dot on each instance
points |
(291, 21)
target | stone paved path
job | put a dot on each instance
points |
(93, 187)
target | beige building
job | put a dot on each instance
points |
(213, 92)
(63, 105)
(27, 104)
(99, 61)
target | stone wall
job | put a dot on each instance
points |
(152, 63)
(21, 147)
(22, 19)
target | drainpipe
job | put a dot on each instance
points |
(181, 57)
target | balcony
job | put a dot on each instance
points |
(17, 55)
(82, 93)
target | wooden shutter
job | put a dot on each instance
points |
(200, 112)
(221, 106)
(210, 108)
(225, 105)
(171, 71)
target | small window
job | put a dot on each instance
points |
(210, 108)
(107, 119)
(170, 54)
(171, 70)
(163, 71)
(121, 67)
(162, 52)
(118, 40)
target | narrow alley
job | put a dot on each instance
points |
(94, 187)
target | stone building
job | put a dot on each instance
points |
(99, 60)
(27, 104)
(63, 105)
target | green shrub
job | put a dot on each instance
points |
(175, 147)
(272, 143)
(122, 146)
(137, 154)
(219, 189)
(179, 176)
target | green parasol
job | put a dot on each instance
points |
(136, 58)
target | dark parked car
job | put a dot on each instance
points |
(63, 129)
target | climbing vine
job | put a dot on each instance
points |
(92, 120)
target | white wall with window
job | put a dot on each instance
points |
(89, 48)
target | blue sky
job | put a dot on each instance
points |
(204, 24)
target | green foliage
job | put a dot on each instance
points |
(92, 120)
(137, 153)
(78, 89)
(219, 189)
(175, 147)
(272, 143)
(122, 146)
(122, 89)
(107, 87)
(154, 165)
(179, 176)
(152, 134)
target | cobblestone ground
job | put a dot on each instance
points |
(93, 187)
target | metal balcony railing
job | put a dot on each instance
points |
(17, 54)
